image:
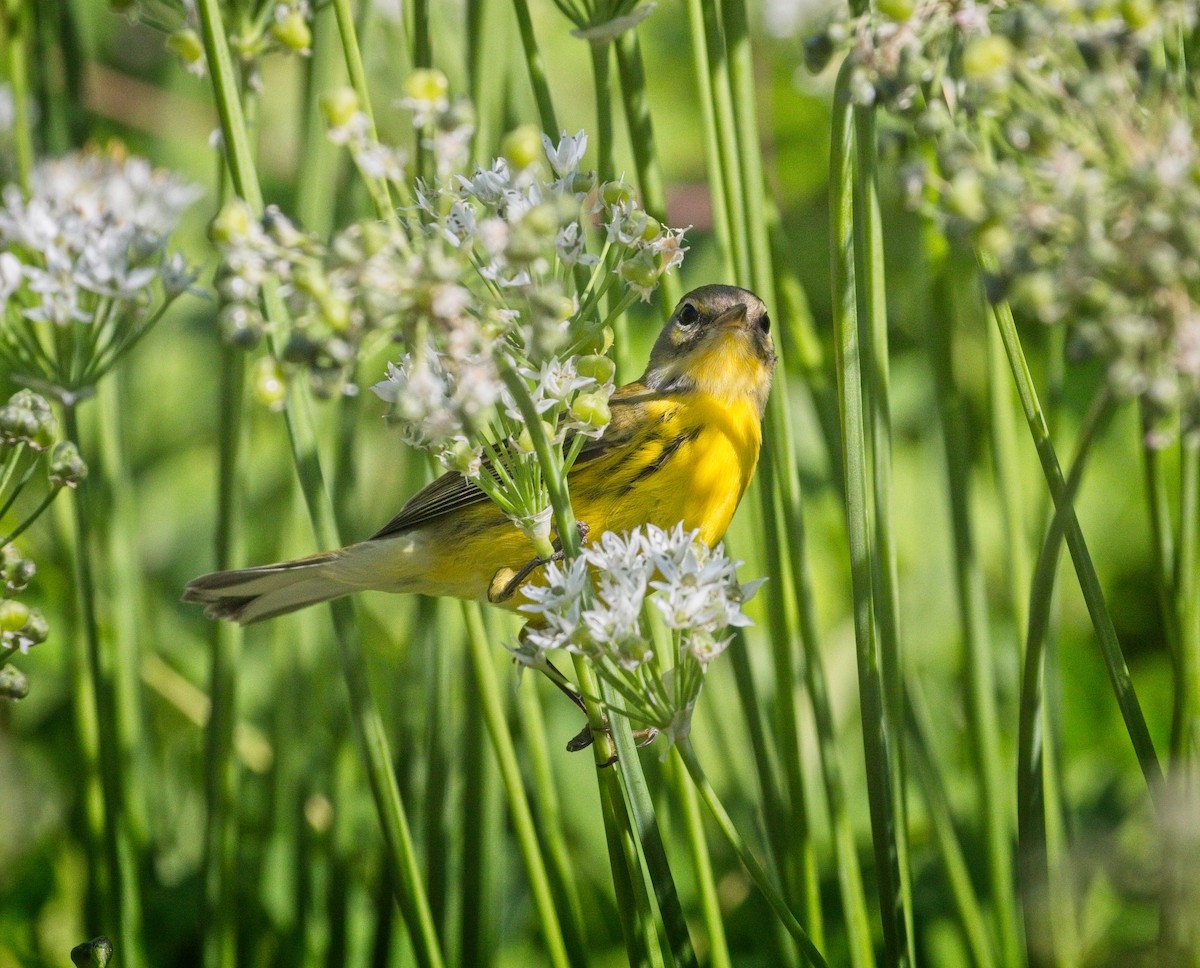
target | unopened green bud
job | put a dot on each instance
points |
(92, 954)
(186, 45)
(13, 615)
(599, 342)
(596, 367)
(270, 385)
(13, 684)
(36, 629)
(542, 219)
(898, 10)
(984, 57)
(427, 86)
(461, 456)
(1137, 13)
(996, 241)
(616, 193)
(292, 31)
(642, 270)
(339, 106)
(651, 229)
(522, 147)
(582, 182)
(66, 468)
(965, 197)
(240, 326)
(591, 409)
(525, 440)
(232, 222)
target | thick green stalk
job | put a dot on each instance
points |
(979, 675)
(319, 171)
(118, 842)
(933, 789)
(688, 755)
(645, 155)
(15, 32)
(601, 54)
(723, 116)
(1044, 920)
(492, 708)
(364, 712)
(1093, 594)
(1185, 731)
(706, 884)
(537, 69)
(549, 823)
(712, 148)
(878, 732)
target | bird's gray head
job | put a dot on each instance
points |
(718, 341)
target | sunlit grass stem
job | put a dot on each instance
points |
(15, 27)
(878, 732)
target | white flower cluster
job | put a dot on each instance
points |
(595, 605)
(87, 247)
(482, 278)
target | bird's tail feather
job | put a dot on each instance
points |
(254, 594)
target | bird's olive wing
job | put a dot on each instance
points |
(452, 491)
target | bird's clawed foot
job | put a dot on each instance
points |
(507, 580)
(584, 738)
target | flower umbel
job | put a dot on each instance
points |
(604, 604)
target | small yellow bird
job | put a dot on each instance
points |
(682, 446)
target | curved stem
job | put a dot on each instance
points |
(537, 69)
(753, 868)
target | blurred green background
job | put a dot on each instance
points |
(310, 882)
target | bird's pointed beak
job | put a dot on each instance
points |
(733, 318)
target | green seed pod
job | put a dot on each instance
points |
(599, 368)
(92, 954)
(13, 684)
(36, 629)
(985, 57)
(591, 409)
(233, 222)
(616, 193)
(66, 468)
(427, 85)
(898, 10)
(13, 615)
(240, 326)
(187, 46)
(292, 31)
(522, 147)
(270, 384)
(339, 106)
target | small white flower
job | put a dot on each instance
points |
(566, 157)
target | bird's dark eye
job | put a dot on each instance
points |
(765, 323)
(688, 315)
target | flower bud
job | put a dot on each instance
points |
(292, 31)
(232, 222)
(1137, 13)
(616, 193)
(67, 468)
(186, 45)
(599, 342)
(36, 629)
(898, 10)
(13, 615)
(427, 86)
(270, 385)
(985, 57)
(591, 409)
(522, 147)
(597, 367)
(13, 684)
(92, 954)
(240, 326)
(339, 106)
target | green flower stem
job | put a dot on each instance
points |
(1036, 811)
(320, 166)
(422, 46)
(645, 156)
(616, 779)
(712, 149)
(688, 755)
(1185, 729)
(480, 841)
(15, 30)
(550, 824)
(878, 731)
(601, 54)
(979, 675)
(364, 712)
(714, 81)
(222, 773)
(933, 789)
(117, 840)
(1093, 594)
(492, 709)
(358, 80)
(706, 884)
(537, 69)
